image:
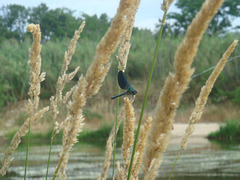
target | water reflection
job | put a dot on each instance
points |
(203, 160)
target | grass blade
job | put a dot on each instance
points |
(146, 94)
(115, 138)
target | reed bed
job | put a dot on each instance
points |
(145, 152)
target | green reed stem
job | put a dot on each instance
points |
(26, 161)
(115, 138)
(179, 152)
(50, 150)
(146, 95)
(59, 164)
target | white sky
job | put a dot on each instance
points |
(147, 16)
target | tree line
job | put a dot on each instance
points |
(61, 22)
(55, 23)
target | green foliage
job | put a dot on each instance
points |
(55, 24)
(14, 71)
(101, 134)
(229, 131)
(188, 9)
(92, 115)
(44, 138)
(14, 76)
(95, 27)
(13, 21)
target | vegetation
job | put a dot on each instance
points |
(15, 39)
(14, 86)
(188, 9)
(100, 135)
(230, 131)
(96, 137)
(156, 131)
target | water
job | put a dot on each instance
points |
(201, 160)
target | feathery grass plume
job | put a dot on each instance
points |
(125, 40)
(202, 100)
(62, 80)
(140, 147)
(109, 145)
(205, 91)
(122, 57)
(146, 94)
(108, 153)
(100, 66)
(120, 23)
(17, 139)
(36, 77)
(166, 4)
(75, 123)
(121, 175)
(35, 67)
(99, 177)
(65, 78)
(128, 132)
(174, 87)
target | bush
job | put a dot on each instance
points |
(229, 131)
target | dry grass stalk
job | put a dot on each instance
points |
(121, 174)
(17, 139)
(125, 40)
(108, 154)
(99, 177)
(173, 89)
(109, 146)
(35, 68)
(166, 4)
(100, 66)
(140, 147)
(205, 91)
(36, 77)
(128, 138)
(65, 78)
(75, 122)
(118, 26)
(128, 133)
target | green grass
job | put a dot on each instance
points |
(101, 135)
(14, 58)
(230, 131)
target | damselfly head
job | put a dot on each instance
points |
(133, 91)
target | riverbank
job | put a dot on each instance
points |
(199, 135)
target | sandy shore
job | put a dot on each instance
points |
(201, 131)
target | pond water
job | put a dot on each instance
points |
(201, 160)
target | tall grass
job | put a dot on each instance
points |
(149, 146)
(14, 87)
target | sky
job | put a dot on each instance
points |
(147, 16)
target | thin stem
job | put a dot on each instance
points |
(29, 131)
(179, 152)
(146, 95)
(50, 150)
(115, 138)
(59, 164)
